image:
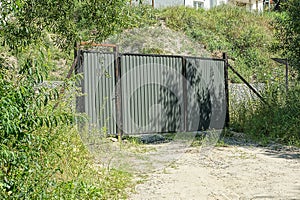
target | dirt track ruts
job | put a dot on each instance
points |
(232, 172)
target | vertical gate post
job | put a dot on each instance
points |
(184, 92)
(227, 118)
(118, 94)
(80, 100)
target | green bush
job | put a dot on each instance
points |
(41, 153)
(132, 17)
(287, 32)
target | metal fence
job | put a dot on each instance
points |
(137, 93)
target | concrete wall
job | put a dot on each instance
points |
(260, 6)
(167, 3)
(207, 4)
(161, 3)
(251, 5)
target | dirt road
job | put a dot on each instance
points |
(232, 172)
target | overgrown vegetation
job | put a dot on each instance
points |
(245, 36)
(277, 120)
(157, 39)
(26, 22)
(249, 40)
(287, 26)
(42, 155)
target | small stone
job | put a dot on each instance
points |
(114, 139)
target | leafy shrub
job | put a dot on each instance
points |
(41, 153)
(287, 32)
(132, 17)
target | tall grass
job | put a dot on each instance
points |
(247, 37)
(278, 120)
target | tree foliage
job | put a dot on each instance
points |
(24, 22)
(41, 156)
(27, 120)
(288, 32)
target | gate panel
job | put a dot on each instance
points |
(151, 93)
(99, 86)
(158, 93)
(206, 94)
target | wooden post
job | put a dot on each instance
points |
(152, 3)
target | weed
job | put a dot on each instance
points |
(221, 143)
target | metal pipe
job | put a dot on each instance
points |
(227, 118)
(118, 94)
(250, 86)
(184, 92)
(96, 44)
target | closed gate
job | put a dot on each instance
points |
(137, 93)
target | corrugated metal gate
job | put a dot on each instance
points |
(136, 93)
